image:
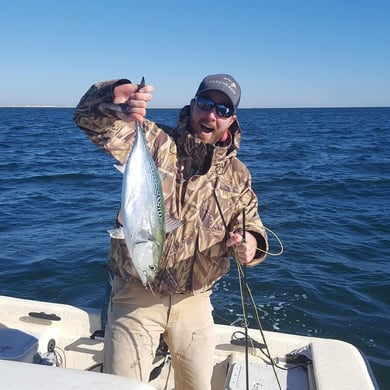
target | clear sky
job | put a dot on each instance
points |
(283, 53)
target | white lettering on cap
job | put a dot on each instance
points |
(227, 83)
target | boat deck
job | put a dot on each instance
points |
(335, 364)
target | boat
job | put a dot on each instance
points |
(45, 344)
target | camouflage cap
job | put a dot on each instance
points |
(224, 83)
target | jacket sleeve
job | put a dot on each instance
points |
(253, 223)
(102, 126)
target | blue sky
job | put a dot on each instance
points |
(284, 53)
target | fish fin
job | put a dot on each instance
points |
(120, 168)
(172, 224)
(116, 233)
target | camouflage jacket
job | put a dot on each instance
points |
(205, 186)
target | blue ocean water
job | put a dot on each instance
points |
(323, 181)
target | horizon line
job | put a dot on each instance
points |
(178, 108)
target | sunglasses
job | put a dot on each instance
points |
(207, 104)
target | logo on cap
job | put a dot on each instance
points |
(226, 82)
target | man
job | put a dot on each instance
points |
(207, 187)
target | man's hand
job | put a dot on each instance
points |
(245, 250)
(135, 99)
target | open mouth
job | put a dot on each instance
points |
(206, 129)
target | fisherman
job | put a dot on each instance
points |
(208, 189)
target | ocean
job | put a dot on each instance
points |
(322, 176)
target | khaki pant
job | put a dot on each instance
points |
(136, 319)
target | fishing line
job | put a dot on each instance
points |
(267, 353)
(244, 290)
(244, 304)
(275, 236)
(266, 228)
(277, 239)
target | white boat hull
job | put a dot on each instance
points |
(336, 365)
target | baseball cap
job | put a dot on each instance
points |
(224, 83)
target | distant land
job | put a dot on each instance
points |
(33, 106)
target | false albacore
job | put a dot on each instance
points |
(144, 223)
(142, 209)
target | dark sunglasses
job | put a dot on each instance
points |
(207, 104)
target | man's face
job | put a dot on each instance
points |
(207, 125)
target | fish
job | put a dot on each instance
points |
(144, 223)
(142, 209)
